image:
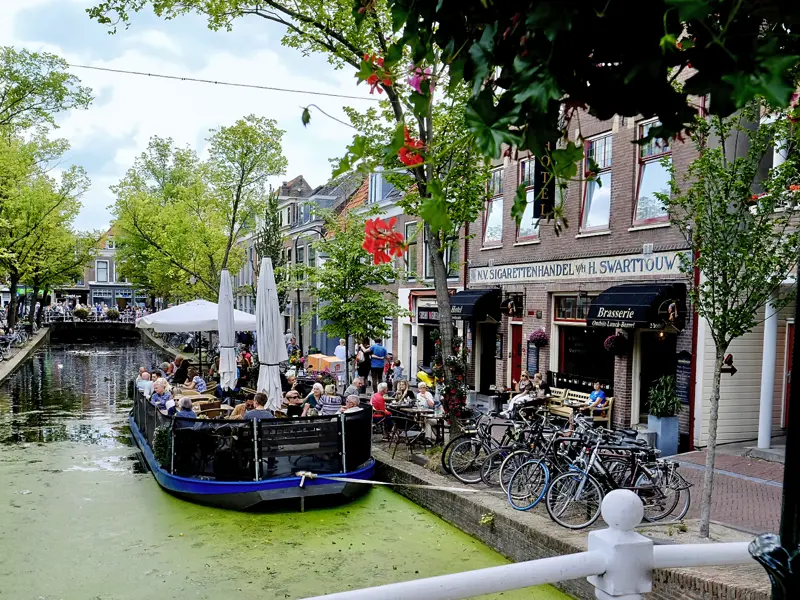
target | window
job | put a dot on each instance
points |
(411, 251)
(110, 244)
(375, 187)
(597, 195)
(312, 256)
(300, 260)
(572, 308)
(529, 225)
(288, 256)
(101, 271)
(451, 257)
(493, 218)
(654, 177)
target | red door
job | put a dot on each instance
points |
(789, 347)
(516, 354)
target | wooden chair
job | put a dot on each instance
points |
(189, 393)
(211, 388)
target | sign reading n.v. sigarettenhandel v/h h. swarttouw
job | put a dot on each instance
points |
(599, 267)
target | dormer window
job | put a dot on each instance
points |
(110, 244)
(375, 188)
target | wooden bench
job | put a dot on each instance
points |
(557, 405)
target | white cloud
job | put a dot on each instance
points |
(134, 108)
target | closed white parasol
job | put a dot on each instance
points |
(269, 336)
(227, 332)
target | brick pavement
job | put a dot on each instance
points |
(747, 492)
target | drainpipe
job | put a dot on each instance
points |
(693, 373)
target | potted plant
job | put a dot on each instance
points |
(112, 314)
(80, 313)
(663, 414)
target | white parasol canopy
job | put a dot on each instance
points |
(269, 336)
(227, 351)
(197, 315)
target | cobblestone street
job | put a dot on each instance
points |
(747, 492)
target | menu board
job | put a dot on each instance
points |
(683, 376)
(532, 359)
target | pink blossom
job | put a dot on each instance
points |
(417, 76)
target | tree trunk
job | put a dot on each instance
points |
(347, 379)
(45, 291)
(11, 315)
(34, 299)
(442, 295)
(711, 449)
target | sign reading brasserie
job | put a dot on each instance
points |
(601, 267)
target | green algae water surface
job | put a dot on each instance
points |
(79, 521)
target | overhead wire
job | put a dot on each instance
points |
(224, 83)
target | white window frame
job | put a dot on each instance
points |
(605, 169)
(491, 200)
(97, 271)
(411, 270)
(641, 163)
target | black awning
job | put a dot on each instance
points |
(476, 305)
(648, 306)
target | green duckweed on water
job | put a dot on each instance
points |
(79, 522)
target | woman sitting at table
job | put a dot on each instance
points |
(311, 404)
(541, 386)
(195, 382)
(380, 414)
(524, 379)
(404, 395)
(330, 403)
(295, 404)
(424, 398)
(528, 393)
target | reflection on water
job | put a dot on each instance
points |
(71, 392)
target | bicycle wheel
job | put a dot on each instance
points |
(573, 500)
(511, 463)
(618, 469)
(466, 459)
(659, 499)
(490, 469)
(448, 447)
(528, 484)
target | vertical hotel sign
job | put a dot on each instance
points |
(544, 186)
(600, 267)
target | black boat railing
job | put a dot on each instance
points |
(234, 450)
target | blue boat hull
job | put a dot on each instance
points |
(243, 495)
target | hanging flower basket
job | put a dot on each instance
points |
(539, 338)
(617, 344)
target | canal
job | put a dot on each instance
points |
(80, 520)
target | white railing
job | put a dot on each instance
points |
(619, 563)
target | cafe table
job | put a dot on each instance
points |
(421, 415)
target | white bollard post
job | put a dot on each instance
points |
(629, 556)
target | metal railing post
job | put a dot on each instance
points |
(256, 458)
(344, 444)
(172, 448)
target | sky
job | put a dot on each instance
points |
(128, 110)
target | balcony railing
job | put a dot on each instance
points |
(619, 564)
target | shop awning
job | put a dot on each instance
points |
(647, 306)
(476, 305)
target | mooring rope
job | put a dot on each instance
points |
(309, 475)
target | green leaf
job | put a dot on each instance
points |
(306, 118)
(689, 10)
(399, 16)
(481, 54)
(434, 211)
(668, 42)
(421, 103)
(520, 203)
(397, 141)
(565, 161)
(394, 54)
(488, 124)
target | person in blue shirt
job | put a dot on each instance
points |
(378, 353)
(597, 399)
(186, 411)
(160, 396)
(259, 412)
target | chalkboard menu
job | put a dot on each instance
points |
(533, 358)
(498, 351)
(683, 376)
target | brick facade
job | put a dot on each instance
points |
(623, 237)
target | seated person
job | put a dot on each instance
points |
(404, 395)
(139, 376)
(186, 411)
(311, 404)
(181, 373)
(330, 403)
(295, 408)
(353, 388)
(195, 382)
(144, 385)
(379, 410)
(424, 398)
(597, 400)
(260, 411)
(527, 393)
(351, 404)
(239, 411)
(160, 395)
(541, 387)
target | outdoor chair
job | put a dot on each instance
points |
(406, 431)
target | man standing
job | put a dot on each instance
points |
(341, 350)
(378, 353)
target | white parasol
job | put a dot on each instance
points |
(269, 336)
(227, 352)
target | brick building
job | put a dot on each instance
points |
(615, 268)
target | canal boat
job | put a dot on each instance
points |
(242, 465)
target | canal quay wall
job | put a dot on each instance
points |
(7, 367)
(524, 536)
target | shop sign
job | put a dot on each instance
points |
(683, 376)
(602, 267)
(428, 314)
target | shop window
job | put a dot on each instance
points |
(493, 215)
(654, 174)
(572, 308)
(582, 354)
(529, 225)
(596, 208)
(411, 252)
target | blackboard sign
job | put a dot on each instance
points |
(533, 358)
(683, 376)
(498, 351)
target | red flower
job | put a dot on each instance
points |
(407, 153)
(794, 188)
(373, 80)
(382, 241)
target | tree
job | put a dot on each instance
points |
(744, 244)
(269, 243)
(35, 206)
(179, 218)
(347, 284)
(34, 87)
